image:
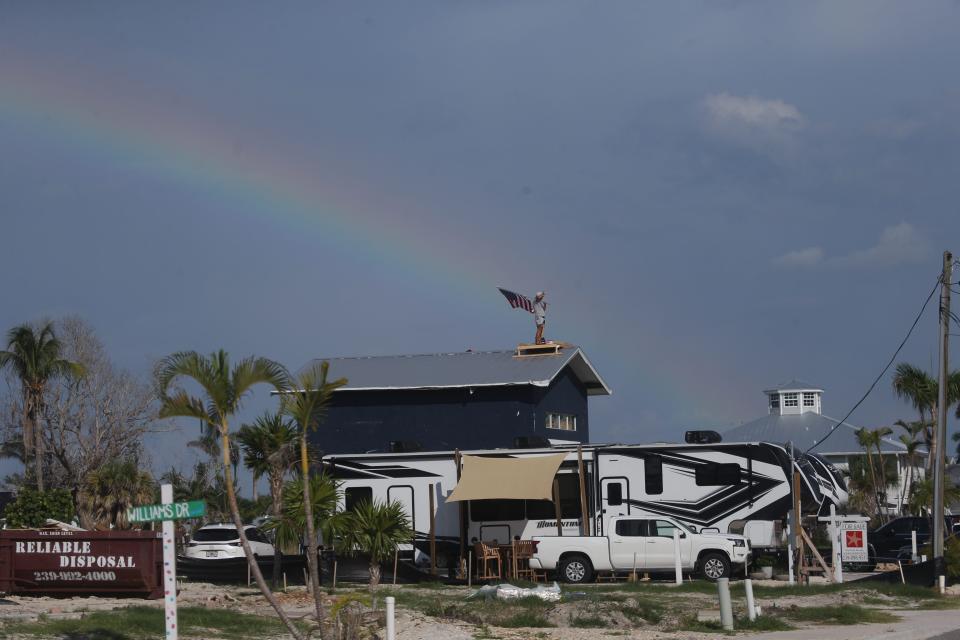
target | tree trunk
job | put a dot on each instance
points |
(253, 490)
(311, 532)
(247, 551)
(38, 450)
(374, 574)
(883, 479)
(276, 491)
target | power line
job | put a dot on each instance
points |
(885, 369)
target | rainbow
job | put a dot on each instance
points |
(98, 113)
(85, 109)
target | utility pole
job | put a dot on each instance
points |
(941, 446)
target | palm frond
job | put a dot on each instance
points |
(183, 405)
(252, 371)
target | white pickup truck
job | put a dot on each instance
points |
(644, 542)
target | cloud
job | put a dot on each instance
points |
(728, 111)
(767, 127)
(809, 257)
(898, 244)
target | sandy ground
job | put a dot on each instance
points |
(413, 625)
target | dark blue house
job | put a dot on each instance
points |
(469, 400)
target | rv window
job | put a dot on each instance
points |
(614, 494)
(569, 500)
(715, 474)
(653, 475)
(569, 495)
(496, 510)
(353, 496)
(632, 528)
(540, 510)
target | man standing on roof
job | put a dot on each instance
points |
(540, 316)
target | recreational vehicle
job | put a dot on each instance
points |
(712, 487)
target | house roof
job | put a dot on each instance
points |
(794, 385)
(806, 430)
(463, 369)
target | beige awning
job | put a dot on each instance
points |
(529, 478)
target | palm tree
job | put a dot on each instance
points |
(878, 436)
(325, 495)
(34, 355)
(307, 404)
(921, 496)
(912, 444)
(376, 528)
(109, 491)
(224, 389)
(269, 448)
(868, 439)
(922, 390)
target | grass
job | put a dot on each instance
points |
(762, 623)
(839, 614)
(642, 611)
(136, 623)
(587, 622)
(524, 619)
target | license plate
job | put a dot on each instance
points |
(211, 554)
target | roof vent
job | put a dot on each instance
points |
(405, 446)
(702, 437)
(546, 349)
(531, 442)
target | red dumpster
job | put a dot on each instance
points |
(52, 561)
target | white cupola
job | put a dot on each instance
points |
(794, 398)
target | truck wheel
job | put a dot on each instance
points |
(715, 566)
(576, 569)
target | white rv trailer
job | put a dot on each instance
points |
(707, 486)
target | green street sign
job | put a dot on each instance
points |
(171, 511)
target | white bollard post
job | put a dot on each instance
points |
(751, 607)
(790, 536)
(169, 567)
(942, 582)
(835, 544)
(913, 546)
(677, 564)
(726, 608)
(391, 622)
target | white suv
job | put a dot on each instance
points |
(221, 541)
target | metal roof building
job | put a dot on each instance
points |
(464, 369)
(794, 414)
(465, 400)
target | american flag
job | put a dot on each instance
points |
(516, 300)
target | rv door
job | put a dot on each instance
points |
(614, 497)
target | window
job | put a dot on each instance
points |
(791, 400)
(614, 494)
(775, 401)
(662, 529)
(496, 510)
(809, 399)
(353, 496)
(653, 475)
(562, 421)
(716, 474)
(632, 528)
(216, 535)
(255, 535)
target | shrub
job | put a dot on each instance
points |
(32, 508)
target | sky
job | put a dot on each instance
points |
(716, 196)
